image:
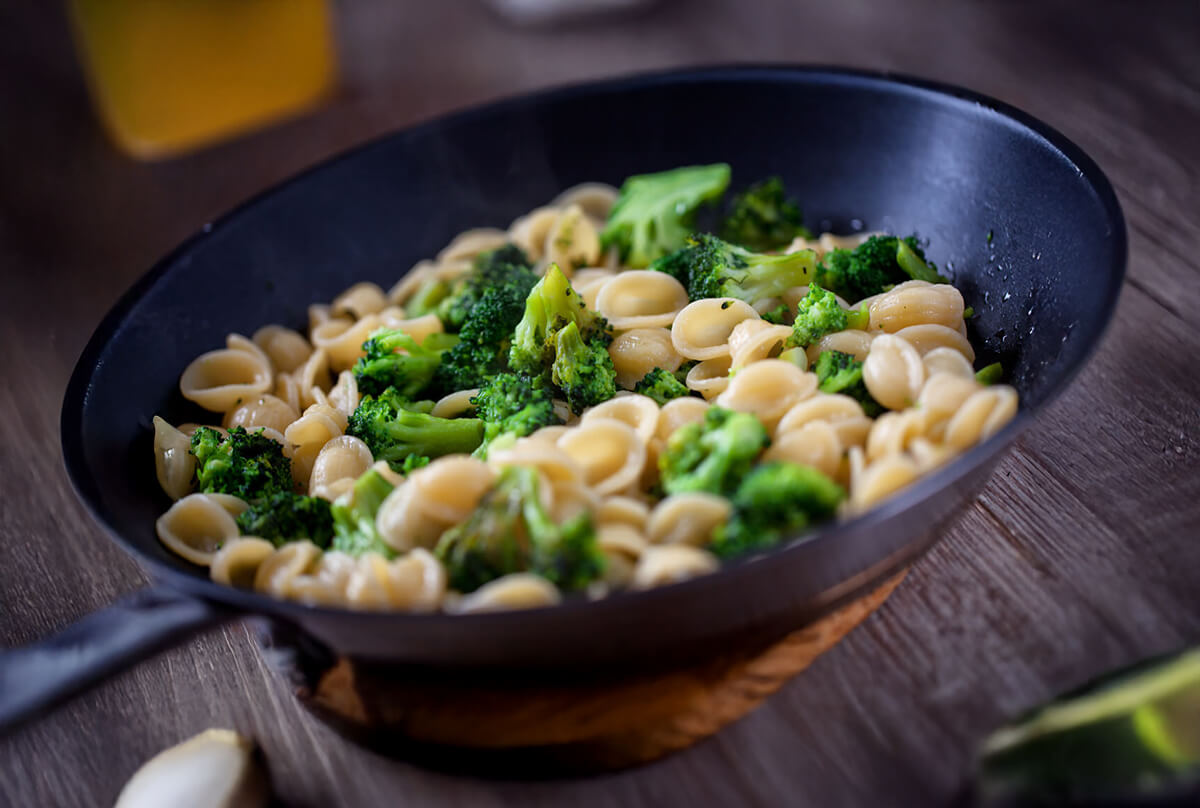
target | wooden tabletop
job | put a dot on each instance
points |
(1082, 553)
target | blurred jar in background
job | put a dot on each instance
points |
(168, 76)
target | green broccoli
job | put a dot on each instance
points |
(511, 404)
(412, 463)
(712, 455)
(839, 372)
(990, 374)
(817, 314)
(394, 432)
(875, 265)
(248, 465)
(286, 516)
(710, 267)
(780, 315)
(427, 298)
(501, 267)
(549, 307)
(560, 337)
(354, 529)
(482, 350)
(655, 213)
(583, 370)
(662, 386)
(762, 218)
(510, 531)
(775, 499)
(410, 372)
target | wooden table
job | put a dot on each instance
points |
(1082, 553)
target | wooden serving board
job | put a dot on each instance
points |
(568, 727)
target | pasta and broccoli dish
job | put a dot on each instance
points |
(605, 396)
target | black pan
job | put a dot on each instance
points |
(1026, 223)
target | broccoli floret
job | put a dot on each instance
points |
(583, 370)
(427, 298)
(412, 463)
(550, 306)
(990, 374)
(773, 500)
(409, 372)
(762, 218)
(353, 513)
(654, 213)
(393, 432)
(710, 267)
(780, 315)
(817, 314)
(873, 266)
(248, 465)
(285, 516)
(662, 386)
(839, 372)
(483, 346)
(558, 336)
(712, 455)
(502, 267)
(511, 404)
(510, 531)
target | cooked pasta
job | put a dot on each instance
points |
(639, 350)
(618, 434)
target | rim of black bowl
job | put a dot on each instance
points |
(911, 496)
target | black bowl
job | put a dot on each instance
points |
(1026, 224)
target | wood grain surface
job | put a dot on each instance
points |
(574, 727)
(1082, 553)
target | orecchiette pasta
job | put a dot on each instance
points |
(264, 410)
(622, 510)
(340, 458)
(917, 303)
(639, 412)
(572, 240)
(687, 518)
(548, 497)
(454, 404)
(641, 299)
(893, 372)
(450, 487)
(308, 434)
(768, 388)
(850, 341)
(218, 380)
(947, 360)
(342, 339)
(709, 378)
(358, 301)
(608, 451)
(343, 396)
(312, 375)
(594, 198)
(195, 527)
(173, 462)
(287, 349)
(404, 523)
(638, 351)
(519, 590)
(815, 444)
(669, 563)
(701, 330)
(753, 340)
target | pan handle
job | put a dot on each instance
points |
(43, 674)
